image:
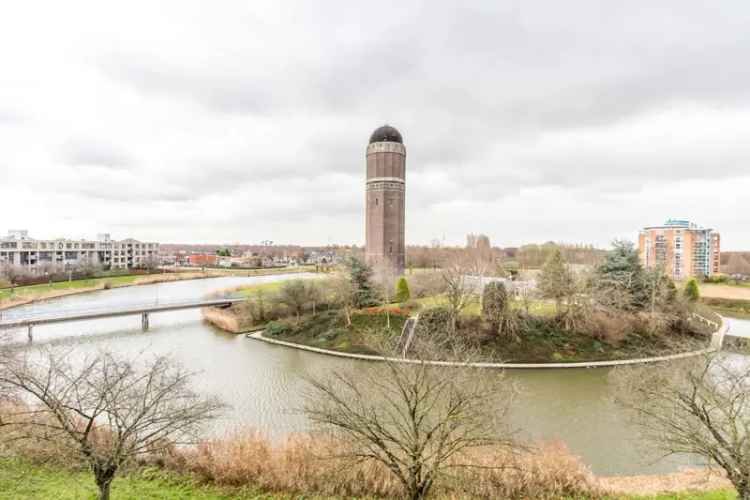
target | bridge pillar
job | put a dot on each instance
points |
(31, 333)
(144, 321)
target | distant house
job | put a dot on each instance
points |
(201, 260)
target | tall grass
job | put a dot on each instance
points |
(314, 464)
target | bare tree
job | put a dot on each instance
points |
(417, 420)
(105, 409)
(459, 290)
(700, 407)
(343, 294)
(314, 295)
(478, 256)
(385, 277)
(556, 281)
(295, 295)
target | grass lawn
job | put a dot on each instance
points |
(729, 307)
(32, 291)
(709, 495)
(21, 481)
(536, 307)
(252, 290)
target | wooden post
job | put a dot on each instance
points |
(31, 333)
(144, 321)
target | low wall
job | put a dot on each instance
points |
(717, 340)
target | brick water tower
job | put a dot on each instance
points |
(385, 218)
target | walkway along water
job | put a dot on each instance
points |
(263, 383)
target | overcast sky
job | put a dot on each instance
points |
(245, 121)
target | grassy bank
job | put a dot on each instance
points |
(541, 340)
(23, 480)
(729, 307)
(31, 293)
(536, 307)
(328, 330)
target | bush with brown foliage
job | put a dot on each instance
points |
(426, 284)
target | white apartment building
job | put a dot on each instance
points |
(18, 249)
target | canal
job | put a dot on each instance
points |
(263, 383)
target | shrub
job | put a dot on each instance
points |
(494, 302)
(609, 327)
(548, 472)
(716, 278)
(402, 290)
(276, 328)
(434, 321)
(426, 285)
(692, 292)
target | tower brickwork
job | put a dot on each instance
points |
(385, 200)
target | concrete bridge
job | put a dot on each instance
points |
(31, 320)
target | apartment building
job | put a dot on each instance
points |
(682, 248)
(18, 249)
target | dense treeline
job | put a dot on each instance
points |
(735, 263)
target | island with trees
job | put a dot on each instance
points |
(563, 313)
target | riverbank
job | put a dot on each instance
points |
(34, 293)
(23, 480)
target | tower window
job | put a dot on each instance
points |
(376, 201)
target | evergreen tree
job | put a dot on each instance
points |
(621, 281)
(556, 280)
(402, 290)
(360, 275)
(692, 291)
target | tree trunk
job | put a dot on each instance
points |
(104, 479)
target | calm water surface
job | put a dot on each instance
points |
(263, 383)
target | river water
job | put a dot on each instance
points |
(263, 383)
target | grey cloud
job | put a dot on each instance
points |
(91, 152)
(270, 109)
(10, 117)
(229, 91)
